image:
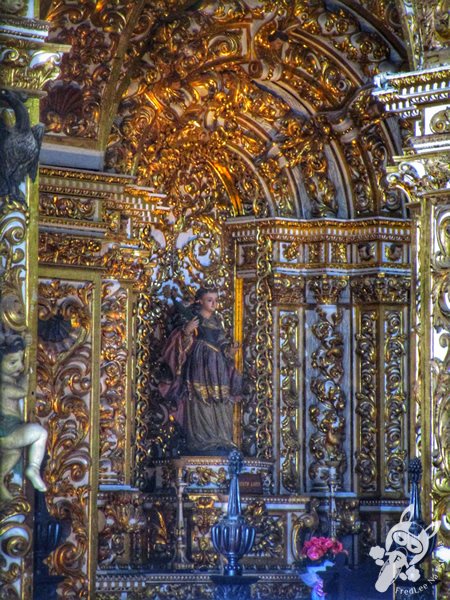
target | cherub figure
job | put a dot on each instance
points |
(14, 433)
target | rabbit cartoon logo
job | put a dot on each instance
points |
(403, 549)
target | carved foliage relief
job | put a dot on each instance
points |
(249, 397)
(114, 383)
(263, 347)
(326, 412)
(366, 401)
(441, 362)
(15, 530)
(289, 327)
(395, 401)
(64, 401)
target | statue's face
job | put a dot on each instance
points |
(11, 6)
(209, 302)
(12, 364)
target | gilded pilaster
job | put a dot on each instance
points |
(27, 62)
(263, 346)
(94, 272)
(423, 176)
(327, 400)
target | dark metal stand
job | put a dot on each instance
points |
(49, 533)
(233, 588)
(233, 538)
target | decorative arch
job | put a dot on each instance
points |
(280, 90)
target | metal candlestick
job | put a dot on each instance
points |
(333, 481)
(180, 560)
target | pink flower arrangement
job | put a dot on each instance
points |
(318, 547)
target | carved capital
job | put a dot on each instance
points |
(288, 289)
(327, 289)
(379, 288)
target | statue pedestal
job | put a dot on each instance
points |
(232, 588)
(208, 474)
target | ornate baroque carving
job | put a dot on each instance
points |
(381, 288)
(114, 375)
(395, 402)
(263, 347)
(63, 404)
(326, 412)
(327, 289)
(366, 402)
(204, 516)
(270, 537)
(289, 400)
(288, 289)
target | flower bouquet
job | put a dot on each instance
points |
(319, 554)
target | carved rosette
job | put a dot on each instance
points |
(366, 402)
(263, 346)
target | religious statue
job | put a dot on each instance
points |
(14, 433)
(204, 383)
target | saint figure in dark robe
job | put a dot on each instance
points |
(205, 384)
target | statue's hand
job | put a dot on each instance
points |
(191, 326)
(234, 348)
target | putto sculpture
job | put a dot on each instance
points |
(14, 433)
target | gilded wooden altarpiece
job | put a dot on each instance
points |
(256, 126)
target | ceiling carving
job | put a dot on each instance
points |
(260, 107)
